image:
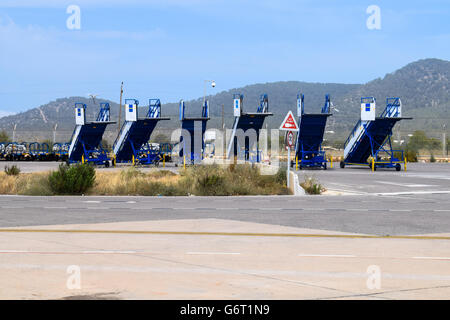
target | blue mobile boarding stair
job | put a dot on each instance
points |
(369, 143)
(308, 146)
(131, 145)
(245, 125)
(85, 145)
(192, 138)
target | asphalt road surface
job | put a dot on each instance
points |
(370, 214)
(311, 247)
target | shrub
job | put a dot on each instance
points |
(411, 155)
(311, 186)
(72, 180)
(12, 171)
(281, 176)
(432, 158)
(210, 184)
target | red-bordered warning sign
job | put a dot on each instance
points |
(289, 123)
(289, 139)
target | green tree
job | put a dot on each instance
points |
(419, 140)
(4, 136)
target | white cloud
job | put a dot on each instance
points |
(6, 113)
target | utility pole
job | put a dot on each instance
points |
(120, 106)
(223, 130)
(223, 116)
(54, 132)
(444, 144)
(14, 133)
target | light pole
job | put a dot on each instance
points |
(120, 107)
(205, 82)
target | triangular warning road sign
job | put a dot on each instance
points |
(289, 123)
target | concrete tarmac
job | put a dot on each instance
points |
(41, 264)
(385, 225)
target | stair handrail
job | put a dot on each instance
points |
(326, 107)
(154, 108)
(352, 133)
(391, 104)
(119, 135)
(263, 104)
(103, 115)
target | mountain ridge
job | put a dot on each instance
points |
(422, 85)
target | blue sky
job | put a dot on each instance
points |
(167, 48)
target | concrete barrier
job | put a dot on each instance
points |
(294, 185)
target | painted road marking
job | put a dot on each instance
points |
(231, 234)
(327, 255)
(203, 271)
(55, 207)
(411, 193)
(107, 252)
(66, 252)
(406, 185)
(432, 258)
(214, 253)
(92, 201)
(111, 252)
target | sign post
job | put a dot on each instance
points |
(290, 125)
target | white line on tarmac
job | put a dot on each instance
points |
(202, 270)
(406, 185)
(411, 193)
(327, 255)
(432, 258)
(92, 201)
(211, 253)
(399, 210)
(108, 252)
(55, 208)
(67, 252)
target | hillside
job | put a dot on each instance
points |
(423, 86)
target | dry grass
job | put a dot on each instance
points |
(25, 184)
(196, 180)
(132, 181)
